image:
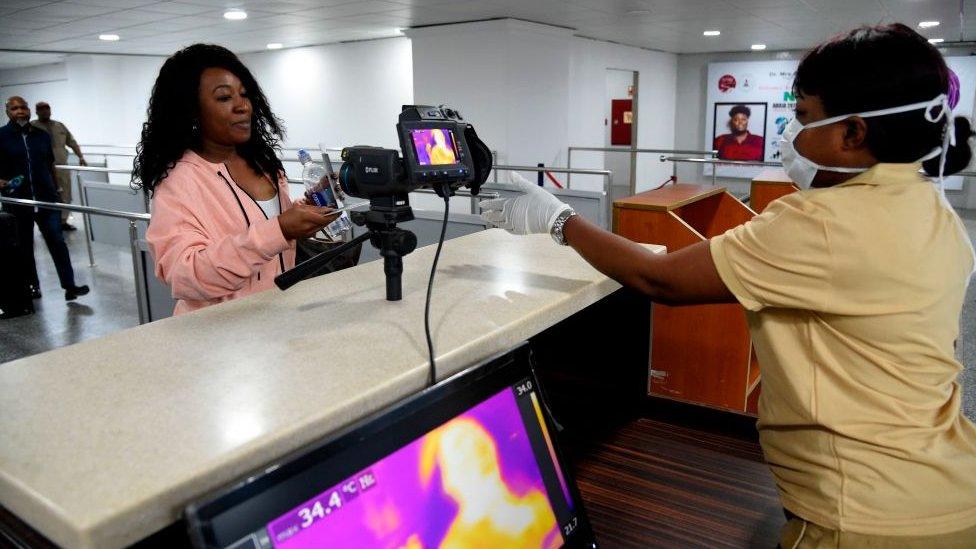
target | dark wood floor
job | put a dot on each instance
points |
(655, 483)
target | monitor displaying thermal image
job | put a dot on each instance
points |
(487, 475)
(434, 147)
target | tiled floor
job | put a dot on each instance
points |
(111, 305)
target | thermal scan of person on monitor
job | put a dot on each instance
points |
(434, 147)
(475, 481)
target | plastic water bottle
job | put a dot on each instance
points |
(320, 190)
(12, 185)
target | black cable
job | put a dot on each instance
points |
(432, 378)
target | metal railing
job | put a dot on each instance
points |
(675, 159)
(606, 174)
(132, 217)
(83, 198)
(631, 150)
(123, 155)
(758, 164)
(70, 168)
(95, 145)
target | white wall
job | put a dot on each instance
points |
(339, 94)
(656, 108)
(102, 99)
(531, 91)
(509, 78)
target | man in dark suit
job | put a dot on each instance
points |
(26, 151)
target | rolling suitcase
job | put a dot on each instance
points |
(15, 293)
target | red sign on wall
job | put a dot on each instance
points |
(622, 118)
(726, 83)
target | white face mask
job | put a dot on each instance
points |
(802, 170)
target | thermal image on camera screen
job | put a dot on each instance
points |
(434, 147)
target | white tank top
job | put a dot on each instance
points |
(271, 206)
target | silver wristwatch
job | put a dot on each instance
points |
(557, 226)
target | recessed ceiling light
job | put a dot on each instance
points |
(274, 46)
(928, 24)
(936, 40)
(758, 47)
(108, 37)
(235, 15)
(712, 33)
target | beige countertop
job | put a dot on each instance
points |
(104, 442)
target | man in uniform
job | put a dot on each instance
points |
(60, 138)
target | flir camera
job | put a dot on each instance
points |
(440, 151)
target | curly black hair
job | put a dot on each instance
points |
(740, 109)
(173, 114)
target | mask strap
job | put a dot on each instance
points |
(948, 132)
(941, 101)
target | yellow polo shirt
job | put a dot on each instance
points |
(853, 296)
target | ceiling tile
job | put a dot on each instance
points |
(352, 9)
(64, 11)
(671, 25)
(177, 8)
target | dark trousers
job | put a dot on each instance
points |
(49, 222)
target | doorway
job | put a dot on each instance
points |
(620, 124)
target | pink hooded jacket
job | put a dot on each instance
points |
(210, 240)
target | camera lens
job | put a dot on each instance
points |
(347, 179)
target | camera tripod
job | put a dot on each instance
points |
(382, 232)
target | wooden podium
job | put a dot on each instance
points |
(770, 184)
(699, 353)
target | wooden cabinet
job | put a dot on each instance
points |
(699, 353)
(770, 184)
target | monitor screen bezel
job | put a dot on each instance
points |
(376, 436)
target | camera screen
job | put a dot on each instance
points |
(434, 147)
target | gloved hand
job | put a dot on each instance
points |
(532, 212)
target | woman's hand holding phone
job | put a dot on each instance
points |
(303, 220)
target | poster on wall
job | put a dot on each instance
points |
(749, 105)
(765, 89)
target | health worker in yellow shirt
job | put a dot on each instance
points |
(853, 288)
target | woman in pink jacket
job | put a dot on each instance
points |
(222, 224)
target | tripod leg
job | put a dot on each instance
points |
(393, 267)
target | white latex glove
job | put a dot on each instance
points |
(532, 212)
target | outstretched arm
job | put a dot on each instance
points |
(684, 276)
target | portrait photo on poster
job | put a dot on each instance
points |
(740, 131)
